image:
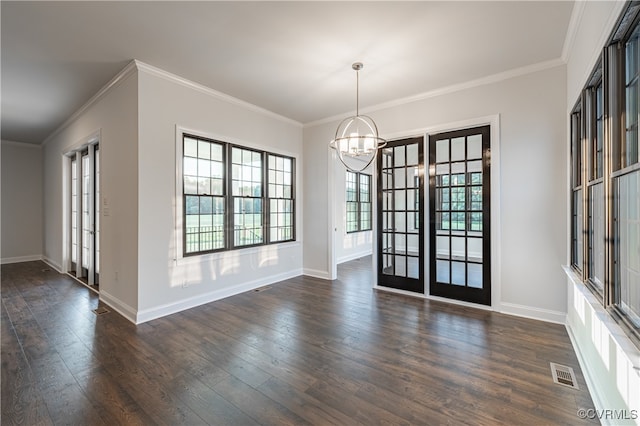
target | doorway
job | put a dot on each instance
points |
(84, 238)
(459, 215)
(400, 221)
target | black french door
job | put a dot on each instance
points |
(459, 215)
(400, 174)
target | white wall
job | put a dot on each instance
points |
(21, 202)
(113, 115)
(167, 283)
(609, 360)
(356, 244)
(533, 166)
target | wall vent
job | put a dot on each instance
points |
(563, 375)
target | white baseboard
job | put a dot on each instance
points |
(51, 263)
(181, 305)
(317, 273)
(119, 306)
(353, 256)
(19, 259)
(533, 313)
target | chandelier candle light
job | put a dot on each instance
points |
(357, 141)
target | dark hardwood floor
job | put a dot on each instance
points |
(303, 351)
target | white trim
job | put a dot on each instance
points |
(618, 335)
(354, 256)
(191, 302)
(599, 399)
(21, 144)
(572, 30)
(112, 84)
(149, 69)
(51, 263)
(119, 306)
(539, 314)
(332, 238)
(495, 78)
(316, 273)
(19, 259)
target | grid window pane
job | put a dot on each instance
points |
(358, 202)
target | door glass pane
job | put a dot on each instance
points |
(412, 154)
(413, 270)
(458, 273)
(475, 275)
(442, 151)
(401, 266)
(442, 271)
(474, 147)
(398, 156)
(457, 149)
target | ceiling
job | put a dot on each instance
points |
(291, 58)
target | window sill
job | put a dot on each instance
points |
(209, 257)
(608, 322)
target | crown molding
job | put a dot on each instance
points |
(114, 82)
(150, 69)
(495, 78)
(21, 144)
(572, 30)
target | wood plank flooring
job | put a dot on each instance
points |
(303, 351)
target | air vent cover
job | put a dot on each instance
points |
(563, 375)
(101, 311)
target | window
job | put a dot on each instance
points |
(225, 203)
(358, 199)
(605, 177)
(280, 198)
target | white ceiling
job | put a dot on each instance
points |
(292, 58)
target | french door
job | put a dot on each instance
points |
(400, 215)
(459, 215)
(85, 215)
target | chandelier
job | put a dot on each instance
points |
(357, 141)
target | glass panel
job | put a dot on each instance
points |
(457, 149)
(400, 200)
(442, 271)
(204, 150)
(577, 229)
(474, 147)
(442, 151)
(400, 221)
(398, 156)
(190, 147)
(442, 247)
(399, 178)
(458, 273)
(458, 248)
(387, 264)
(400, 245)
(596, 234)
(401, 266)
(475, 275)
(413, 245)
(628, 235)
(474, 249)
(413, 267)
(412, 154)
(474, 166)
